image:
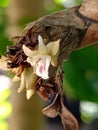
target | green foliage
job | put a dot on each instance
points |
(4, 95)
(69, 2)
(59, 1)
(4, 3)
(3, 125)
(81, 72)
(5, 109)
(4, 42)
(78, 2)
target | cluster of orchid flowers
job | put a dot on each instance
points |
(39, 60)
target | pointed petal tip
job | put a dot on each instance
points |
(28, 98)
(19, 90)
(39, 37)
(23, 47)
(29, 93)
(26, 50)
(16, 78)
(41, 46)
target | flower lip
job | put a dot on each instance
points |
(43, 66)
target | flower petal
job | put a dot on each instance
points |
(29, 93)
(35, 59)
(22, 83)
(53, 47)
(30, 78)
(16, 78)
(54, 60)
(29, 52)
(43, 66)
(41, 46)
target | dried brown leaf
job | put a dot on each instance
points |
(68, 120)
(57, 108)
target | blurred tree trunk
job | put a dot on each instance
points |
(20, 10)
(26, 115)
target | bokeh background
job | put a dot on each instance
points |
(80, 81)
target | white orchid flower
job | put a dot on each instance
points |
(41, 58)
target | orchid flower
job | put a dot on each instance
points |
(41, 58)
